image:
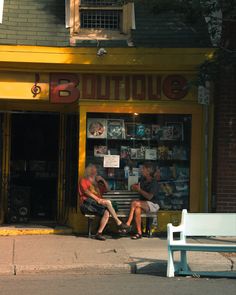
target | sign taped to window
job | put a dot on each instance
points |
(111, 161)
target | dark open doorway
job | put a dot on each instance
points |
(34, 167)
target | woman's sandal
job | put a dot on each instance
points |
(124, 228)
(136, 237)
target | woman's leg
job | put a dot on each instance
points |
(103, 221)
(108, 205)
(131, 213)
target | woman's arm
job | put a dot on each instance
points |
(100, 178)
(92, 195)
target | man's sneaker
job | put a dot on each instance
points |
(100, 237)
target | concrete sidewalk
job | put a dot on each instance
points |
(57, 253)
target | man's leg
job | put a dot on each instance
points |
(131, 213)
(138, 221)
(103, 221)
(141, 205)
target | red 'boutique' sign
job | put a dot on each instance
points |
(68, 88)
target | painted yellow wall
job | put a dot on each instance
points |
(24, 61)
(55, 59)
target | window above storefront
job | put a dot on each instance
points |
(101, 20)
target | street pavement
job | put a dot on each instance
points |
(120, 284)
(72, 254)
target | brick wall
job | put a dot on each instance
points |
(224, 157)
(34, 22)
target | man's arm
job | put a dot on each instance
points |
(145, 194)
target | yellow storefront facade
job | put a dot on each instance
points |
(155, 85)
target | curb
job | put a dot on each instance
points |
(83, 269)
(111, 269)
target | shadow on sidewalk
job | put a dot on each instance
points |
(149, 266)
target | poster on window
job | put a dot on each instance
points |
(97, 128)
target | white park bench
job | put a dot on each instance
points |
(198, 225)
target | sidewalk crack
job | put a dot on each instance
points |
(13, 257)
(226, 255)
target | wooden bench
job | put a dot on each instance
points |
(123, 200)
(198, 225)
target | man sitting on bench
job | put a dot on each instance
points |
(91, 188)
(148, 190)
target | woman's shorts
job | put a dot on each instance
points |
(153, 207)
(90, 206)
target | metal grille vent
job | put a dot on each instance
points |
(101, 3)
(100, 19)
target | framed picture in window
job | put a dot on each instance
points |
(96, 128)
(151, 154)
(167, 133)
(124, 152)
(130, 130)
(115, 129)
(156, 132)
(178, 130)
(143, 131)
(133, 153)
(100, 150)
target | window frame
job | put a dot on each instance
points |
(127, 23)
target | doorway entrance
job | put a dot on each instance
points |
(33, 167)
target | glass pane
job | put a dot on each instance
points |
(162, 140)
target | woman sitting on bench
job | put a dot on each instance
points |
(91, 188)
(148, 189)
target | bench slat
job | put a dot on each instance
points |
(210, 224)
(204, 247)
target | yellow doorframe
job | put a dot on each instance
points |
(5, 165)
(61, 169)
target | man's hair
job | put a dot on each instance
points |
(88, 169)
(149, 167)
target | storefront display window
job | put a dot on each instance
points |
(119, 144)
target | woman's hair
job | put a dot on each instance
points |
(149, 167)
(88, 169)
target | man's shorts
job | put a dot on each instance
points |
(153, 208)
(90, 206)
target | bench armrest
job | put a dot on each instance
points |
(171, 229)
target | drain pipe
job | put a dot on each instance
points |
(204, 99)
(206, 158)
